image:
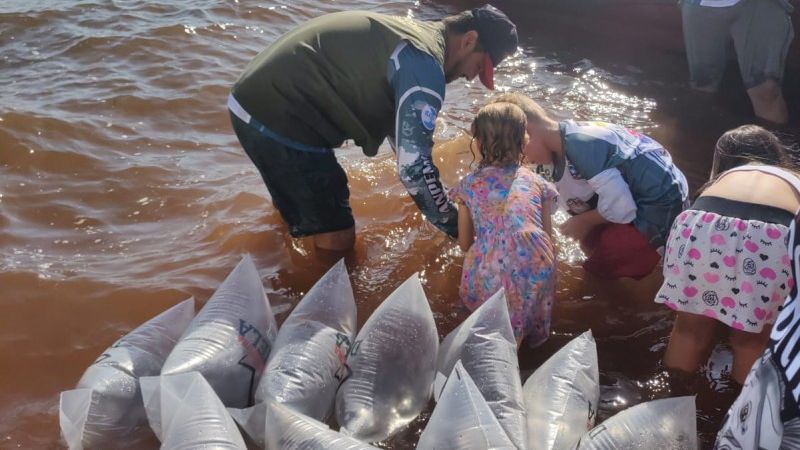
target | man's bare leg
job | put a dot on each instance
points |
(768, 102)
(336, 240)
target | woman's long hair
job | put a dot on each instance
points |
(748, 144)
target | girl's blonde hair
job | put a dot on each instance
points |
(500, 129)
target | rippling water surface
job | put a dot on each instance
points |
(123, 189)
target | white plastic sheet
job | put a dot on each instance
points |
(185, 413)
(486, 346)
(393, 361)
(462, 420)
(289, 430)
(666, 424)
(562, 395)
(107, 404)
(308, 360)
(230, 339)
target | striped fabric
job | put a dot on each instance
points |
(785, 338)
(766, 414)
(791, 434)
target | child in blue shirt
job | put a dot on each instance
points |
(620, 187)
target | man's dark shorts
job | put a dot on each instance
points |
(309, 189)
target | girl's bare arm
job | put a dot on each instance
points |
(465, 227)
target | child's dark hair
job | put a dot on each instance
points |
(749, 144)
(500, 129)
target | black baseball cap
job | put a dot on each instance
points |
(498, 36)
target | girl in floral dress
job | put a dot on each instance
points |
(504, 225)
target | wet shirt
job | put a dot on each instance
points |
(318, 85)
(626, 175)
(418, 82)
(325, 82)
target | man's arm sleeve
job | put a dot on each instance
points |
(418, 83)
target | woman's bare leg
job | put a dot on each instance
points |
(747, 348)
(690, 342)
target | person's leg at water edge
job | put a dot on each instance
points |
(747, 348)
(690, 342)
(715, 273)
(336, 240)
(762, 34)
(707, 38)
(309, 189)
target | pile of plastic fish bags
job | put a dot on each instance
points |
(192, 379)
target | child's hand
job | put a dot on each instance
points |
(577, 227)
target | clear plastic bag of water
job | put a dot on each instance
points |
(486, 347)
(230, 339)
(186, 413)
(287, 429)
(309, 358)
(393, 361)
(665, 424)
(562, 395)
(252, 421)
(462, 420)
(107, 403)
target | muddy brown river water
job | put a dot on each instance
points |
(123, 189)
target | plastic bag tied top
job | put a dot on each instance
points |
(230, 339)
(288, 430)
(462, 420)
(185, 413)
(309, 358)
(669, 424)
(562, 395)
(393, 361)
(107, 403)
(486, 347)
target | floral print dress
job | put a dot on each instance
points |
(511, 248)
